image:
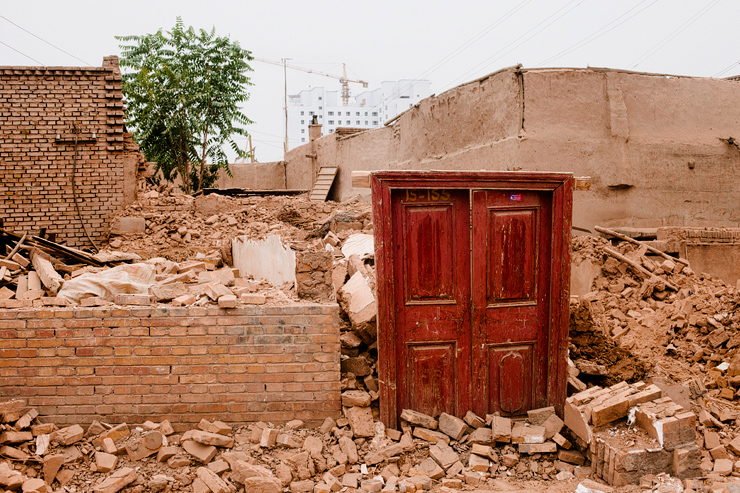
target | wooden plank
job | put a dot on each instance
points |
(55, 248)
(361, 179)
(49, 277)
(639, 268)
(16, 248)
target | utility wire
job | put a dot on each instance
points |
(727, 69)
(453, 54)
(18, 51)
(597, 34)
(42, 39)
(524, 38)
(674, 33)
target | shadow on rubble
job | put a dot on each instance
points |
(599, 360)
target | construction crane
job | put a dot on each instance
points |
(342, 78)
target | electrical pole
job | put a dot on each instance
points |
(285, 78)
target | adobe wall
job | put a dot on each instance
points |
(650, 143)
(253, 176)
(268, 363)
(40, 108)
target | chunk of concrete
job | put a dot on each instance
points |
(419, 419)
(116, 481)
(208, 438)
(358, 398)
(501, 429)
(444, 455)
(213, 481)
(69, 435)
(128, 226)
(358, 299)
(539, 416)
(52, 464)
(361, 421)
(202, 453)
(452, 426)
(349, 448)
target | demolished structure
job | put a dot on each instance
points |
(172, 361)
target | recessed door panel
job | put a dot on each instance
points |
(512, 256)
(428, 249)
(432, 378)
(509, 368)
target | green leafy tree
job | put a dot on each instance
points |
(183, 90)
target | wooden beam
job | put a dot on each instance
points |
(16, 248)
(639, 268)
(632, 240)
(49, 277)
(361, 179)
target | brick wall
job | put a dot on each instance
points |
(40, 108)
(270, 363)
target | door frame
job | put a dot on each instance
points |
(560, 187)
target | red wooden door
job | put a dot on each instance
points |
(473, 276)
(512, 236)
(431, 269)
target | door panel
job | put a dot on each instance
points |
(432, 377)
(431, 264)
(509, 367)
(428, 243)
(511, 234)
(512, 260)
(472, 285)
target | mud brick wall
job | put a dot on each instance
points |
(41, 109)
(269, 363)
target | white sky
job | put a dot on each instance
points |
(445, 42)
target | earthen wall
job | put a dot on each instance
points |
(42, 110)
(652, 144)
(270, 363)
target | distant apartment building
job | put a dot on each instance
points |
(368, 109)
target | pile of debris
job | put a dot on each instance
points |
(651, 317)
(354, 452)
(178, 227)
(200, 272)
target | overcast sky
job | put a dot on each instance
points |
(446, 42)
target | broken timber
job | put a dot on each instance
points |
(52, 248)
(620, 236)
(639, 268)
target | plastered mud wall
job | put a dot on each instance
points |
(650, 143)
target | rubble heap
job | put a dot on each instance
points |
(354, 452)
(648, 317)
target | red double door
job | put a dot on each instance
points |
(470, 326)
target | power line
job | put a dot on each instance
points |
(42, 39)
(453, 54)
(18, 51)
(726, 69)
(524, 38)
(595, 35)
(674, 33)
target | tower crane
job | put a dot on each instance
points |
(342, 78)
